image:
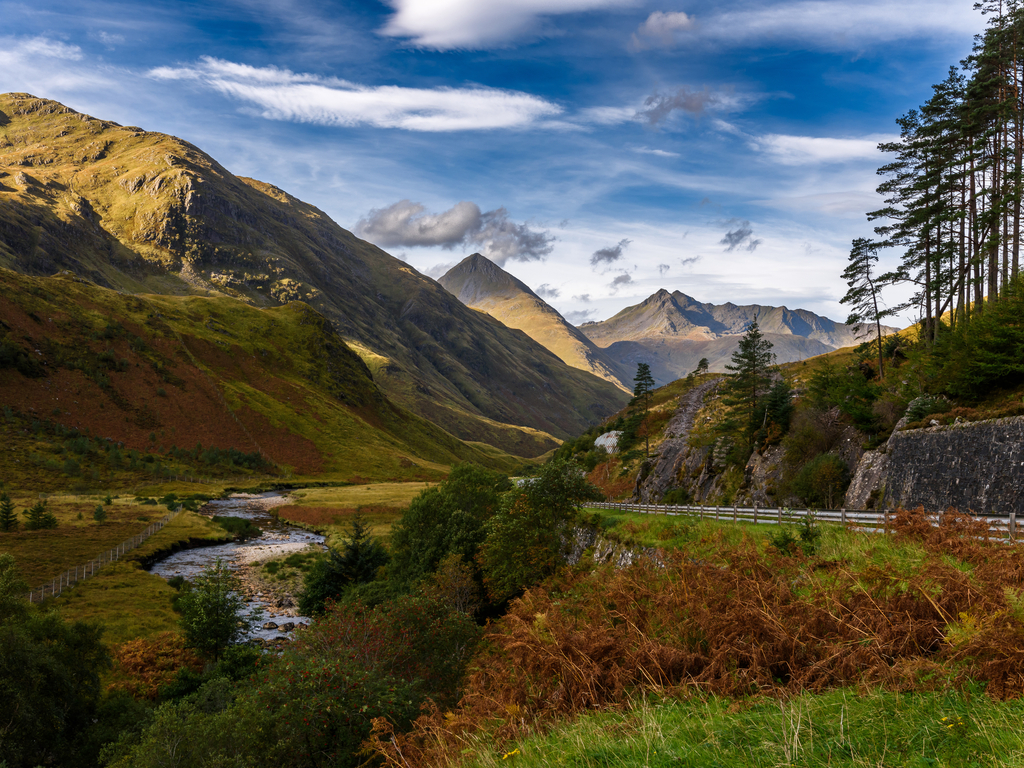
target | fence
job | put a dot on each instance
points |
(81, 572)
(1003, 526)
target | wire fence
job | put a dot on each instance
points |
(1000, 526)
(79, 573)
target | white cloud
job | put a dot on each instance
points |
(804, 150)
(661, 30)
(40, 65)
(476, 25)
(838, 24)
(405, 223)
(607, 115)
(281, 94)
(656, 152)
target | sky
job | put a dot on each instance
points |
(599, 150)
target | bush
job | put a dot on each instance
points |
(822, 482)
(329, 576)
(39, 517)
(212, 612)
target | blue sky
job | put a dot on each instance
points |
(597, 149)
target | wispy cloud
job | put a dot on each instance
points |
(579, 316)
(658, 106)
(545, 291)
(621, 281)
(804, 150)
(660, 30)
(655, 152)
(406, 224)
(475, 25)
(833, 24)
(281, 94)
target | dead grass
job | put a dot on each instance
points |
(742, 620)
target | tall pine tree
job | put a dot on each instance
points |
(751, 369)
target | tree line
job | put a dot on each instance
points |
(952, 190)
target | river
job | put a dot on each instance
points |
(278, 535)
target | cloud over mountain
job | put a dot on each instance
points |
(405, 224)
(610, 254)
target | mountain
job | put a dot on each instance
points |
(143, 212)
(159, 373)
(481, 284)
(672, 332)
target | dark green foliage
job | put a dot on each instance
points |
(329, 576)
(527, 536)
(751, 368)
(640, 405)
(49, 680)
(239, 527)
(99, 514)
(39, 517)
(211, 612)
(986, 354)
(807, 538)
(13, 355)
(445, 520)
(677, 496)
(822, 482)
(313, 706)
(8, 517)
(776, 410)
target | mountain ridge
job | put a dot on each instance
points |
(143, 212)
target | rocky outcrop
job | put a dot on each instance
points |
(976, 466)
(663, 472)
(602, 550)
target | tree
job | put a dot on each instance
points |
(39, 517)
(702, 367)
(526, 538)
(8, 517)
(751, 368)
(49, 679)
(443, 521)
(99, 514)
(357, 563)
(643, 392)
(212, 615)
(864, 291)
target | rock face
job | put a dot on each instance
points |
(975, 466)
(664, 472)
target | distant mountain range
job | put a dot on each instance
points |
(671, 332)
(143, 212)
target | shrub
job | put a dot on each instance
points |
(39, 517)
(822, 481)
(99, 514)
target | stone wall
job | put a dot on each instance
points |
(976, 466)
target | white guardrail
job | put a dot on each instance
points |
(72, 576)
(1000, 526)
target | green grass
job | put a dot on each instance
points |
(853, 728)
(127, 601)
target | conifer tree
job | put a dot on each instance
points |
(751, 368)
(8, 517)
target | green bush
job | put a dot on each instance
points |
(822, 482)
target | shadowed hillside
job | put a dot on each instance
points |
(145, 212)
(154, 373)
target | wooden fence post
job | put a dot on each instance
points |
(734, 512)
(1013, 527)
(842, 515)
(779, 510)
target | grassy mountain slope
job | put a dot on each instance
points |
(145, 212)
(481, 284)
(155, 372)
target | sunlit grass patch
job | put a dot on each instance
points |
(840, 728)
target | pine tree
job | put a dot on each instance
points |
(39, 517)
(8, 517)
(643, 392)
(751, 369)
(864, 290)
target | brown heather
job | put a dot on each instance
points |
(745, 621)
